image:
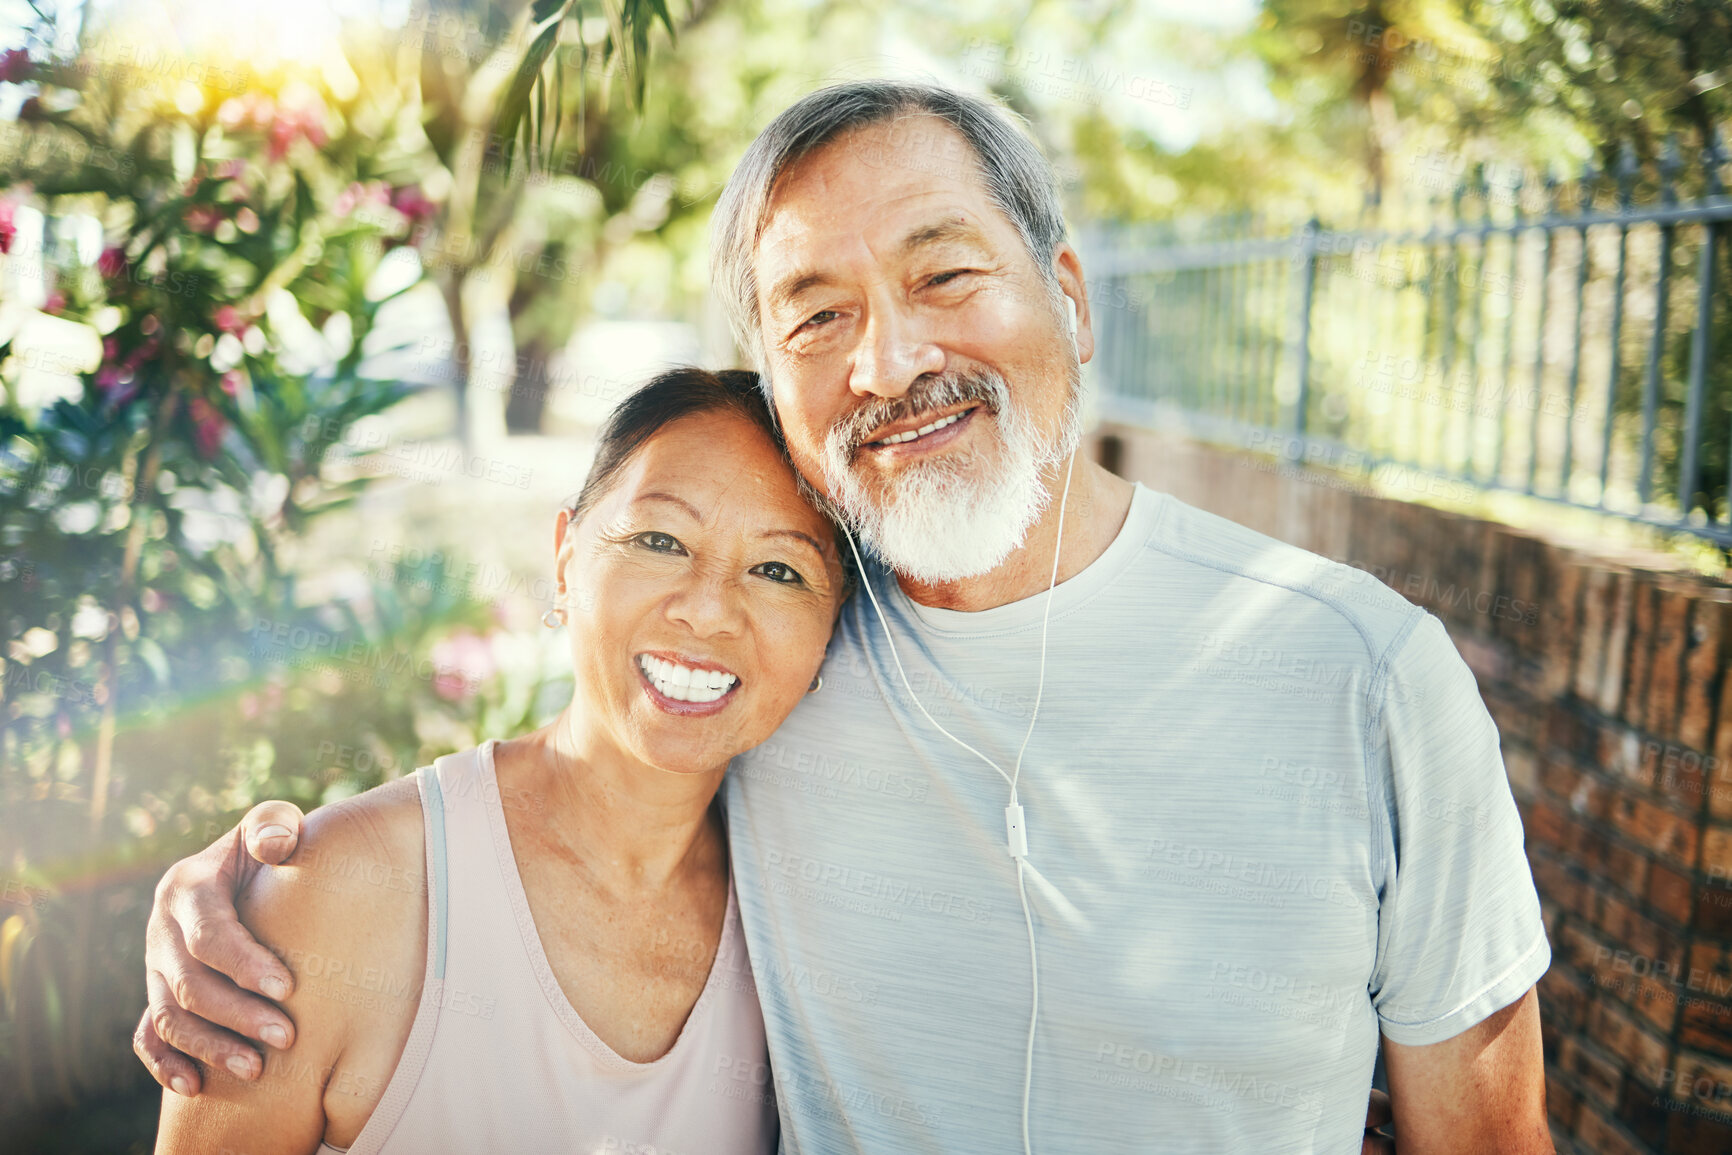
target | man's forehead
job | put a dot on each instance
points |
(853, 190)
(910, 156)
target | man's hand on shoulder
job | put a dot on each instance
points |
(204, 972)
(1377, 1117)
(346, 906)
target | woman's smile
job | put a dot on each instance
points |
(686, 686)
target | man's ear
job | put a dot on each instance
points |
(1067, 266)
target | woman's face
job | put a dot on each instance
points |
(700, 592)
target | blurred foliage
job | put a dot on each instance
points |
(192, 290)
(1366, 92)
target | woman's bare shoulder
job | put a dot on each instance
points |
(348, 911)
(365, 853)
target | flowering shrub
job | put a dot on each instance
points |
(189, 292)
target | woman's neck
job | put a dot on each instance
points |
(633, 827)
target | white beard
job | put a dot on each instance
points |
(961, 515)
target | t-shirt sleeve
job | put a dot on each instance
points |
(1459, 933)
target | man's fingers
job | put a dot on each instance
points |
(272, 831)
(203, 993)
(193, 1036)
(215, 937)
(1378, 1113)
(167, 1065)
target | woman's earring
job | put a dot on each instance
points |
(817, 684)
(552, 619)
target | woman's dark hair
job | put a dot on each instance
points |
(667, 397)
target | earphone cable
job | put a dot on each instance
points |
(1010, 779)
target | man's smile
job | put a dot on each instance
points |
(923, 432)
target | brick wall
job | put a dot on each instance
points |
(1605, 675)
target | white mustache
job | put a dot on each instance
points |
(925, 395)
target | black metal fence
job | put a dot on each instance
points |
(1553, 338)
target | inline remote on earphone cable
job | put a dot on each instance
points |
(1016, 829)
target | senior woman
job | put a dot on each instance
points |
(565, 969)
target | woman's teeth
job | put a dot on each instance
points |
(683, 683)
(899, 438)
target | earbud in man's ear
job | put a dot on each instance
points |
(1070, 307)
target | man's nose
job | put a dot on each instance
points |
(894, 352)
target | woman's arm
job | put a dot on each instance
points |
(347, 915)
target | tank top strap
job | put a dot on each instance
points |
(420, 1042)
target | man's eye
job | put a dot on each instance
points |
(659, 542)
(779, 572)
(946, 277)
(818, 318)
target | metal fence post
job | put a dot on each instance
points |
(1307, 276)
(1687, 472)
(1669, 165)
(1627, 170)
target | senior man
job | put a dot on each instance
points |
(1114, 826)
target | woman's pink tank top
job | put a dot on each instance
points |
(497, 1059)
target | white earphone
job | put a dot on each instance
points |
(1070, 306)
(1016, 829)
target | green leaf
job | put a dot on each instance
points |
(151, 655)
(542, 9)
(515, 106)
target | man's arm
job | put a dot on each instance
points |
(346, 1047)
(1483, 1090)
(200, 962)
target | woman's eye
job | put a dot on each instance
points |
(779, 572)
(659, 542)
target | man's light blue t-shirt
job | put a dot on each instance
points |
(1267, 818)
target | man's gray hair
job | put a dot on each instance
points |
(1017, 177)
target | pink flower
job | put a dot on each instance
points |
(15, 66)
(461, 663)
(229, 320)
(413, 203)
(232, 382)
(202, 218)
(112, 262)
(8, 227)
(347, 200)
(117, 383)
(208, 426)
(56, 301)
